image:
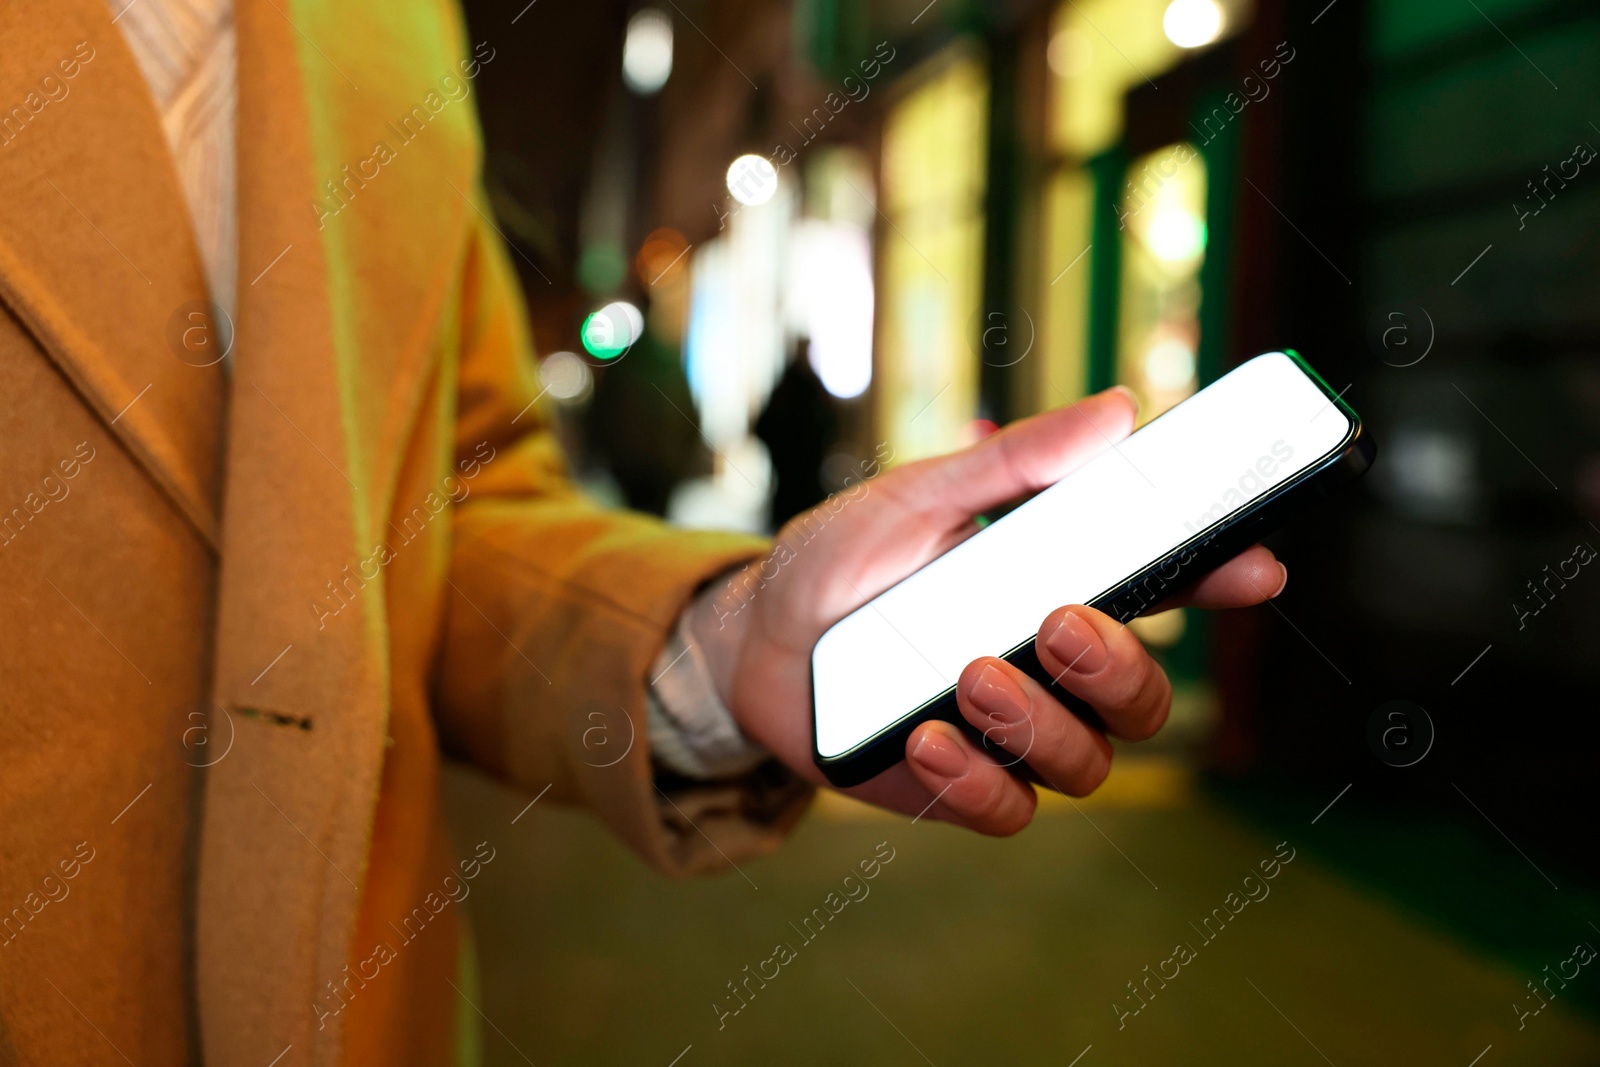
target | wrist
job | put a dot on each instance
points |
(719, 619)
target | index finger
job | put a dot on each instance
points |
(1251, 577)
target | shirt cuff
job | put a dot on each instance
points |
(690, 730)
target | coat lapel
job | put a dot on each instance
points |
(287, 814)
(97, 256)
(341, 316)
(356, 161)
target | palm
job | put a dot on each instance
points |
(841, 559)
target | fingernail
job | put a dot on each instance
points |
(940, 753)
(1075, 643)
(999, 697)
(1282, 582)
(1133, 398)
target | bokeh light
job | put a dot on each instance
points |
(752, 180)
(609, 332)
(1175, 235)
(833, 292)
(662, 251)
(1169, 364)
(647, 51)
(565, 376)
(1069, 53)
(1192, 23)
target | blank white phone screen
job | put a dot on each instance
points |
(1252, 429)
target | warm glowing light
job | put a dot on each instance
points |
(647, 52)
(565, 376)
(1175, 235)
(1163, 629)
(752, 180)
(611, 331)
(1192, 23)
(662, 252)
(1069, 53)
(1169, 365)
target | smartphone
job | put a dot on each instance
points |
(1150, 515)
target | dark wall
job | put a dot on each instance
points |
(1409, 131)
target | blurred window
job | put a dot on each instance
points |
(1126, 241)
(735, 346)
(1162, 215)
(931, 263)
(1068, 206)
(831, 292)
(1098, 50)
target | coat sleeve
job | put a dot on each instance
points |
(558, 608)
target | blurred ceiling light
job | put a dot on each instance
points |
(752, 180)
(1192, 23)
(1175, 235)
(565, 376)
(1169, 365)
(647, 51)
(611, 331)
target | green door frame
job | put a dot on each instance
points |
(1107, 171)
(1186, 660)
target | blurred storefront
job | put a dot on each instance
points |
(965, 213)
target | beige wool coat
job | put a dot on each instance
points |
(246, 608)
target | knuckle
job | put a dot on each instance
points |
(1099, 768)
(1143, 697)
(989, 801)
(1034, 734)
(1147, 724)
(1093, 766)
(1054, 750)
(1155, 707)
(1163, 708)
(1133, 677)
(1013, 818)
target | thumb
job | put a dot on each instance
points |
(1023, 458)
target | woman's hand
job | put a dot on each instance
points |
(758, 636)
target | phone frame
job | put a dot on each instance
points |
(1204, 552)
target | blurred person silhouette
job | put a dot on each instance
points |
(799, 425)
(642, 423)
(263, 580)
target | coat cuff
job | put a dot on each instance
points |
(557, 611)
